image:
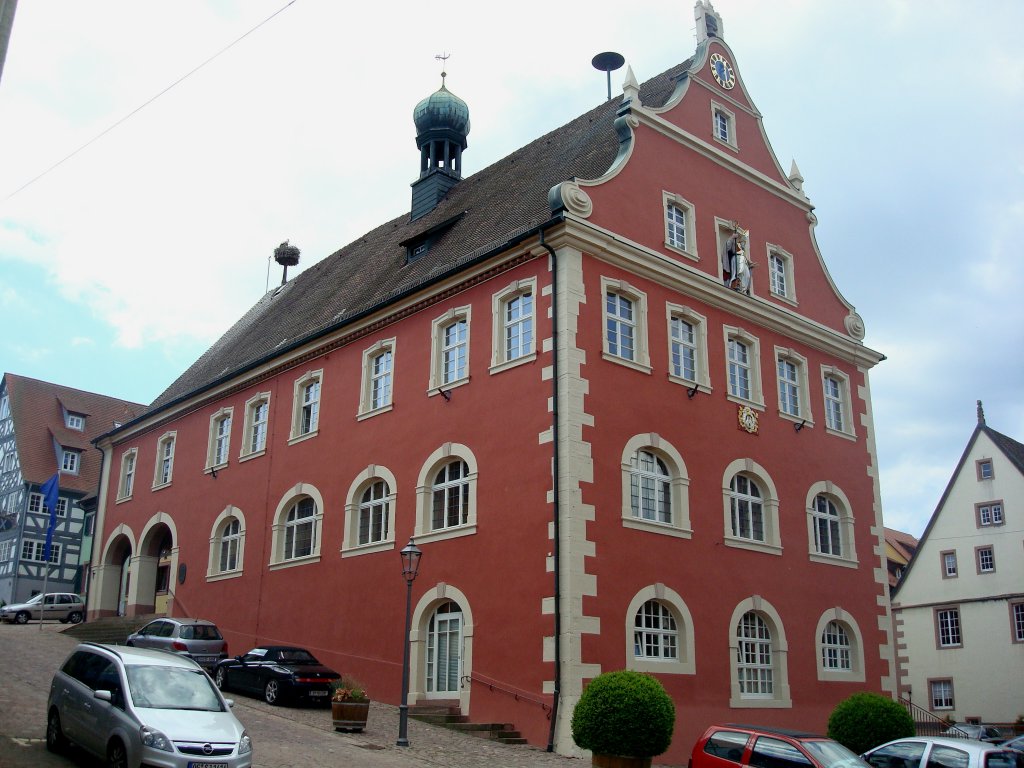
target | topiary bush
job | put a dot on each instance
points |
(624, 713)
(865, 720)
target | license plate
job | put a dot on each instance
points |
(318, 693)
(207, 660)
(193, 764)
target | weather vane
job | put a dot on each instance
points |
(443, 58)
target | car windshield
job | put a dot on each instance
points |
(832, 754)
(35, 600)
(159, 687)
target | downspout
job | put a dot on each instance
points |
(556, 694)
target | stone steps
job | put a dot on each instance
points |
(113, 630)
(447, 716)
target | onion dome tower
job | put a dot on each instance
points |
(442, 124)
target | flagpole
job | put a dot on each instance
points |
(51, 496)
(46, 578)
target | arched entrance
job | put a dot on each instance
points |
(444, 652)
(152, 568)
(441, 647)
(111, 579)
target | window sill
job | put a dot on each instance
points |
(783, 298)
(818, 557)
(307, 559)
(642, 367)
(841, 433)
(722, 142)
(437, 388)
(742, 703)
(653, 526)
(367, 549)
(690, 384)
(301, 438)
(122, 499)
(499, 367)
(661, 666)
(682, 252)
(447, 533)
(757, 405)
(840, 675)
(253, 455)
(161, 485)
(754, 546)
(210, 577)
(375, 412)
(806, 422)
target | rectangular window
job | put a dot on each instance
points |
(687, 348)
(683, 349)
(380, 380)
(989, 513)
(33, 551)
(70, 461)
(377, 387)
(257, 417)
(986, 559)
(127, 483)
(74, 421)
(947, 625)
(221, 440)
(723, 126)
(35, 503)
(310, 408)
(62, 507)
(454, 351)
(165, 460)
(985, 469)
(518, 326)
(941, 694)
(834, 410)
(1017, 620)
(789, 388)
(777, 274)
(620, 325)
(739, 369)
(675, 223)
(949, 564)
(513, 311)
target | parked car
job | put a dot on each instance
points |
(978, 731)
(63, 606)
(1017, 743)
(196, 638)
(729, 746)
(131, 706)
(942, 752)
(277, 673)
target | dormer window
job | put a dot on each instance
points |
(74, 421)
(417, 251)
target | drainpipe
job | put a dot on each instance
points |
(555, 483)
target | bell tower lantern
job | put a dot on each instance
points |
(442, 124)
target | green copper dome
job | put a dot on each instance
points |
(442, 110)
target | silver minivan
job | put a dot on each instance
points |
(198, 639)
(132, 706)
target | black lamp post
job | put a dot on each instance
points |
(411, 555)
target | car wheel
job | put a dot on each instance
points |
(221, 679)
(272, 692)
(75, 617)
(21, 618)
(55, 741)
(117, 755)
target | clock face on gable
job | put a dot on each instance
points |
(722, 71)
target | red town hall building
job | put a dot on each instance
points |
(607, 385)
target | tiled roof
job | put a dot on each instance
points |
(499, 203)
(36, 408)
(1014, 451)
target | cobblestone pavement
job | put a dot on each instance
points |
(284, 737)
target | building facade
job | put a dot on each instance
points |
(608, 387)
(959, 610)
(46, 428)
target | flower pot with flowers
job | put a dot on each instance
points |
(349, 704)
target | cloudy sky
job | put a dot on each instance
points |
(152, 233)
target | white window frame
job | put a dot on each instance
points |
(218, 452)
(685, 661)
(440, 458)
(948, 564)
(36, 503)
(374, 473)
(780, 697)
(772, 543)
(787, 290)
(75, 421)
(953, 625)
(641, 359)
(377, 391)
(163, 469)
(219, 537)
(854, 673)
(721, 115)
(798, 364)
(126, 476)
(32, 551)
(753, 367)
(989, 514)
(301, 404)
(437, 382)
(985, 565)
(679, 484)
(280, 526)
(254, 428)
(71, 461)
(687, 210)
(699, 323)
(843, 404)
(844, 524)
(941, 687)
(500, 324)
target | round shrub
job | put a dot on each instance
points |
(865, 720)
(624, 713)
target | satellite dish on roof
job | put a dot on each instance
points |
(608, 62)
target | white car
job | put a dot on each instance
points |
(138, 706)
(942, 752)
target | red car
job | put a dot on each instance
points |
(736, 746)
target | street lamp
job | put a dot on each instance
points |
(411, 555)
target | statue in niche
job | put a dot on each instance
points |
(736, 264)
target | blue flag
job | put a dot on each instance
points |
(50, 490)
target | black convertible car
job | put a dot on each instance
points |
(277, 673)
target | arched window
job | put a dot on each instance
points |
(754, 664)
(446, 494)
(373, 513)
(300, 530)
(369, 526)
(830, 526)
(827, 540)
(654, 632)
(835, 648)
(650, 496)
(227, 544)
(747, 510)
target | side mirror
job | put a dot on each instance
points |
(229, 702)
(106, 696)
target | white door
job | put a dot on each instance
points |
(444, 652)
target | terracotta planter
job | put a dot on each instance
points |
(349, 715)
(620, 761)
